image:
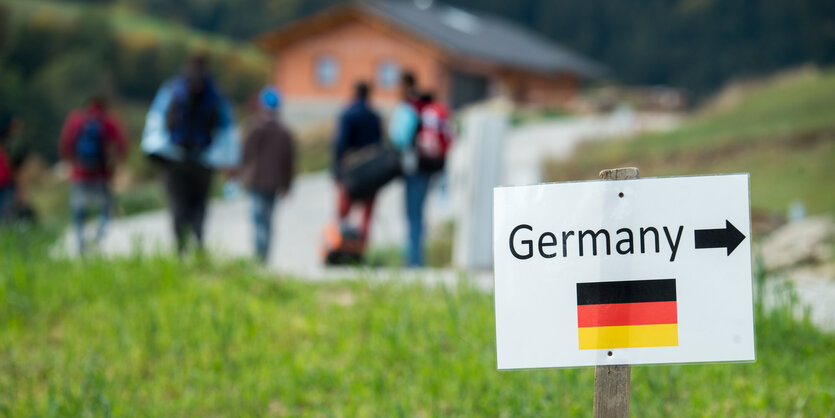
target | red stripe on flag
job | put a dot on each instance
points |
(619, 314)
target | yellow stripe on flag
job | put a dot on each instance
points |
(630, 336)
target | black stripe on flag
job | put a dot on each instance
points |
(630, 291)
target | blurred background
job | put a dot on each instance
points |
(670, 55)
(540, 90)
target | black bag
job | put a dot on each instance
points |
(368, 169)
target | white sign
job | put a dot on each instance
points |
(654, 270)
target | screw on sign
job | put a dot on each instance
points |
(616, 273)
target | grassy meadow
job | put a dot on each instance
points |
(781, 131)
(152, 336)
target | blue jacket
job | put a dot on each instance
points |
(359, 126)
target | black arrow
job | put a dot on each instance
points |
(728, 237)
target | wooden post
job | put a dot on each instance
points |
(611, 391)
(611, 383)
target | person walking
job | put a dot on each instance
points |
(268, 166)
(93, 143)
(8, 126)
(359, 126)
(420, 129)
(403, 130)
(189, 129)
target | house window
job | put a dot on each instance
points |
(327, 70)
(387, 74)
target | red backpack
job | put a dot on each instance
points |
(434, 137)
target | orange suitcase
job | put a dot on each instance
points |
(343, 245)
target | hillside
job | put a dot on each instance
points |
(693, 44)
(54, 55)
(780, 130)
(130, 21)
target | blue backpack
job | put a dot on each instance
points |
(191, 126)
(89, 148)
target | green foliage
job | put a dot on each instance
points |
(149, 335)
(53, 56)
(143, 66)
(241, 19)
(782, 133)
(58, 87)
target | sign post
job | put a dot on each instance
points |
(617, 273)
(611, 383)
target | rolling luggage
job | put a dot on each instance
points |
(343, 245)
(368, 169)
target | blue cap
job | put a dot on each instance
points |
(269, 98)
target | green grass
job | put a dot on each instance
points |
(783, 133)
(151, 336)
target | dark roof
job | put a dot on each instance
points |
(482, 36)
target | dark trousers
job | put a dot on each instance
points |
(344, 209)
(187, 184)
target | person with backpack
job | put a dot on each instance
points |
(434, 136)
(14, 209)
(92, 142)
(420, 128)
(8, 126)
(190, 132)
(268, 166)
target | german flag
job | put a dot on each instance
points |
(628, 314)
